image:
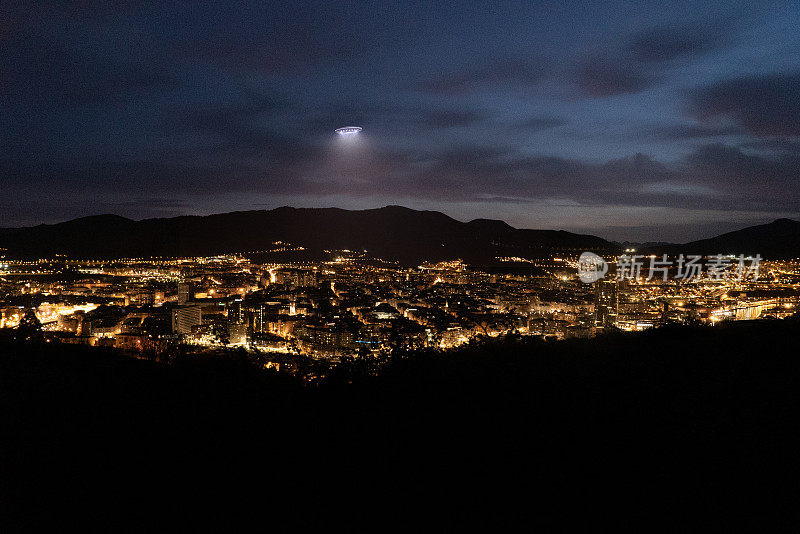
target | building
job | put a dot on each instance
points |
(606, 304)
(324, 337)
(130, 341)
(70, 323)
(183, 319)
(237, 333)
(185, 293)
(236, 312)
(295, 277)
(140, 297)
(385, 311)
(104, 327)
(454, 336)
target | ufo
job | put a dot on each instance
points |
(348, 130)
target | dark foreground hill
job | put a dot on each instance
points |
(679, 429)
(393, 232)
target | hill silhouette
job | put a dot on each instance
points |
(393, 233)
(676, 426)
(779, 239)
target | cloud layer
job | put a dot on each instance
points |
(149, 108)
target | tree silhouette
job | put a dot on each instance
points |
(30, 328)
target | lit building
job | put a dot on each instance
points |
(183, 319)
(237, 333)
(606, 304)
(184, 293)
(236, 313)
(325, 337)
(295, 277)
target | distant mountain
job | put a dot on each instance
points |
(393, 232)
(778, 240)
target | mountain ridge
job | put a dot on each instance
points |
(779, 239)
(391, 232)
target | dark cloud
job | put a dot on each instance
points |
(294, 38)
(99, 8)
(602, 76)
(6, 24)
(693, 131)
(89, 182)
(77, 81)
(632, 67)
(645, 57)
(450, 118)
(780, 146)
(664, 44)
(94, 80)
(475, 173)
(729, 165)
(714, 177)
(51, 74)
(636, 169)
(247, 128)
(763, 105)
(747, 181)
(216, 116)
(505, 73)
(535, 124)
(161, 107)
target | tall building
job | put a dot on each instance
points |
(183, 319)
(236, 312)
(606, 304)
(185, 293)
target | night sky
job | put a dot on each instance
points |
(630, 120)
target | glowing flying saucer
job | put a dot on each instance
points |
(348, 130)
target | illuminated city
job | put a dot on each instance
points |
(368, 266)
(358, 306)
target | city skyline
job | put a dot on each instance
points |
(382, 266)
(622, 120)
